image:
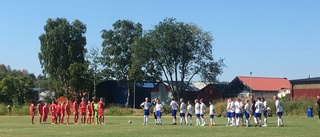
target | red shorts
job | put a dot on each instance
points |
(100, 113)
(83, 113)
(76, 113)
(32, 114)
(58, 114)
(68, 113)
(89, 113)
(41, 114)
(53, 114)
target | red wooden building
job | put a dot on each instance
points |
(305, 88)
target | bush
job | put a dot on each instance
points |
(3, 109)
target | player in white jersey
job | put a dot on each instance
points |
(230, 112)
(189, 111)
(159, 112)
(247, 112)
(197, 111)
(265, 111)
(202, 112)
(145, 105)
(174, 107)
(211, 113)
(182, 112)
(279, 110)
(257, 114)
(238, 114)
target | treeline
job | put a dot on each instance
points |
(16, 86)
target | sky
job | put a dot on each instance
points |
(274, 38)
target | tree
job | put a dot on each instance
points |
(180, 51)
(62, 48)
(94, 59)
(117, 53)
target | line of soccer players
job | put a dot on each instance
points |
(90, 112)
(235, 111)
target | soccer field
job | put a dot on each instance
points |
(13, 126)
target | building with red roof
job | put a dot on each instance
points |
(305, 88)
(258, 86)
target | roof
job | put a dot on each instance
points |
(265, 83)
(192, 86)
(306, 80)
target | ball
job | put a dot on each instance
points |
(129, 121)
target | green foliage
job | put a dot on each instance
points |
(3, 109)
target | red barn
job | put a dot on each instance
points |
(305, 88)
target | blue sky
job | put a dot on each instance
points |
(274, 38)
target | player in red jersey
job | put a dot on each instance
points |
(93, 111)
(100, 111)
(53, 112)
(31, 109)
(89, 114)
(40, 111)
(68, 112)
(45, 112)
(75, 111)
(62, 110)
(58, 114)
(83, 108)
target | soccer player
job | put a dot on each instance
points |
(101, 111)
(83, 108)
(45, 110)
(89, 113)
(202, 112)
(68, 111)
(145, 105)
(252, 106)
(62, 112)
(238, 114)
(58, 112)
(53, 112)
(75, 111)
(182, 112)
(265, 111)
(95, 111)
(189, 110)
(31, 109)
(158, 112)
(230, 112)
(174, 107)
(154, 102)
(40, 111)
(257, 114)
(279, 110)
(211, 113)
(247, 112)
(318, 103)
(197, 112)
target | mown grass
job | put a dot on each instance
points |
(12, 126)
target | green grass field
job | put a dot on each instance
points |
(13, 126)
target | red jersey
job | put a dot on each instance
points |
(89, 108)
(75, 107)
(62, 110)
(58, 109)
(100, 106)
(40, 108)
(67, 108)
(53, 109)
(45, 110)
(83, 107)
(31, 108)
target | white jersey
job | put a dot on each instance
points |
(247, 108)
(265, 105)
(174, 105)
(211, 109)
(197, 108)
(202, 108)
(146, 105)
(278, 106)
(182, 107)
(158, 107)
(189, 108)
(259, 107)
(237, 106)
(230, 107)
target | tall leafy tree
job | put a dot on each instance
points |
(63, 50)
(180, 51)
(117, 52)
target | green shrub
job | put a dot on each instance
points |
(3, 109)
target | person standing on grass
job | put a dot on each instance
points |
(101, 111)
(40, 111)
(189, 113)
(68, 111)
(83, 107)
(145, 105)
(158, 112)
(62, 112)
(95, 111)
(238, 114)
(257, 114)
(211, 113)
(279, 110)
(230, 112)
(174, 107)
(53, 112)
(75, 111)
(89, 112)
(154, 102)
(197, 111)
(45, 110)
(247, 112)
(32, 111)
(318, 103)
(182, 112)
(58, 112)
(265, 111)
(202, 112)
(252, 106)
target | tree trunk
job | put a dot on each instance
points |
(128, 95)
